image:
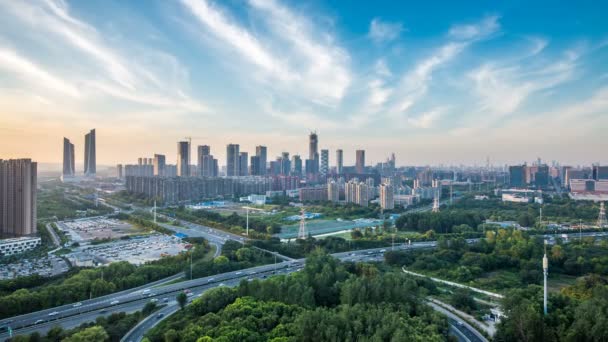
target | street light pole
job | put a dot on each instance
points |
(191, 252)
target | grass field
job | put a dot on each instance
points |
(317, 227)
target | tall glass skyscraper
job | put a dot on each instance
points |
(90, 159)
(68, 158)
(183, 159)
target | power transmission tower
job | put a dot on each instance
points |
(601, 220)
(302, 232)
(436, 197)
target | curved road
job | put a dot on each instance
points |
(134, 299)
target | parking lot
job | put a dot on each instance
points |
(46, 266)
(96, 228)
(136, 250)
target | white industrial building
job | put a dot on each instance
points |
(18, 245)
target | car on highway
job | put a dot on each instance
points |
(54, 313)
(114, 302)
(77, 305)
(165, 300)
(238, 273)
(39, 321)
(160, 315)
(154, 300)
(210, 280)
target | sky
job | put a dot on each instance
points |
(435, 82)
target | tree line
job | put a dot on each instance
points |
(327, 300)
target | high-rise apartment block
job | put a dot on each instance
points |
(233, 159)
(386, 197)
(119, 171)
(296, 165)
(600, 172)
(69, 166)
(357, 192)
(243, 164)
(360, 161)
(312, 167)
(18, 181)
(285, 164)
(206, 164)
(254, 166)
(333, 191)
(324, 168)
(339, 161)
(159, 165)
(183, 159)
(90, 158)
(517, 176)
(261, 152)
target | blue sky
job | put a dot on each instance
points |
(434, 82)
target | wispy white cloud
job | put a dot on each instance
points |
(486, 27)
(414, 85)
(293, 57)
(38, 77)
(322, 64)
(381, 68)
(426, 119)
(124, 77)
(503, 88)
(382, 31)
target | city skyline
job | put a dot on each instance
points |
(507, 81)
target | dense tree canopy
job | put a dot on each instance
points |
(327, 300)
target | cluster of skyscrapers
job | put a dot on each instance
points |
(90, 158)
(18, 182)
(283, 173)
(592, 179)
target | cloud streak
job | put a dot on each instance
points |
(306, 64)
(381, 31)
(123, 78)
(12, 62)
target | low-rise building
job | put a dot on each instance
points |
(313, 194)
(18, 245)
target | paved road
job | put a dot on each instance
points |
(215, 237)
(464, 331)
(54, 237)
(451, 283)
(80, 308)
(70, 315)
(70, 312)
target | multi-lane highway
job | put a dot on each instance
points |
(85, 311)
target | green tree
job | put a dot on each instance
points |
(462, 299)
(92, 334)
(148, 308)
(182, 299)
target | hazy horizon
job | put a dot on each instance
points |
(509, 81)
